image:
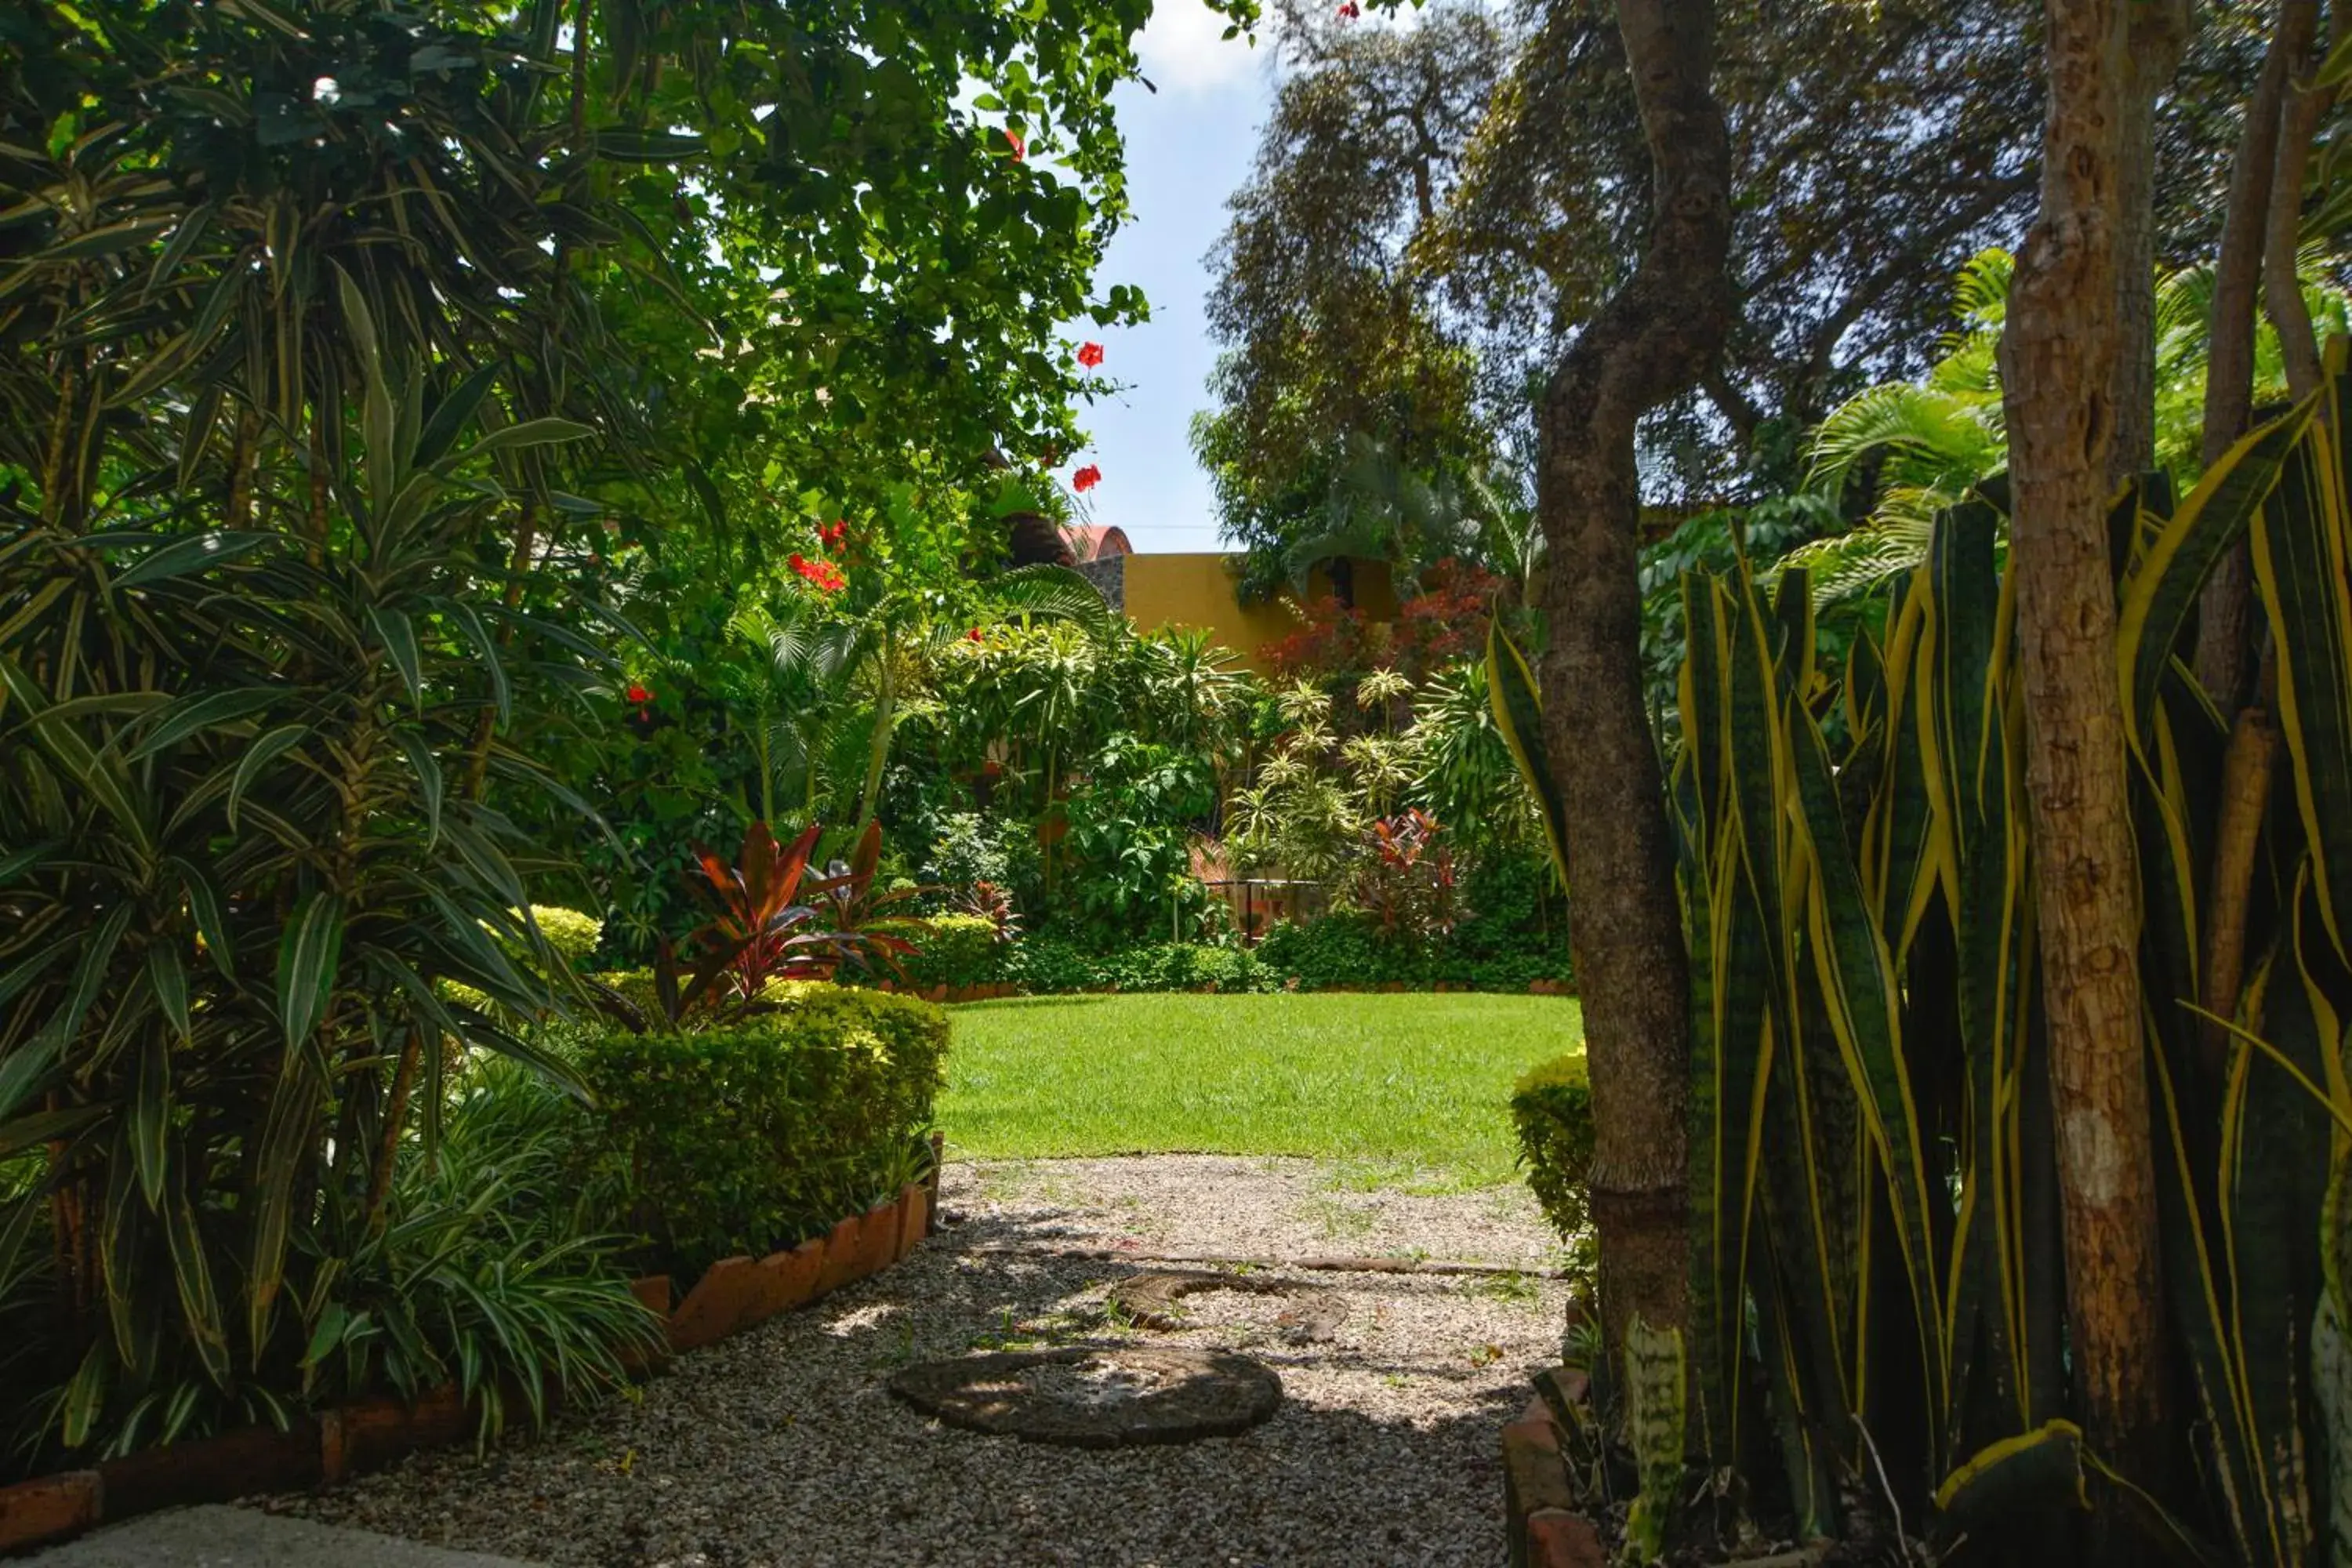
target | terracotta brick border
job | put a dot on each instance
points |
(732, 1296)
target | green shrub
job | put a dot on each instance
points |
(1552, 1108)
(1338, 950)
(754, 1136)
(1186, 967)
(954, 950)
(1045, 964)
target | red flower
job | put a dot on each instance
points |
(638, 694)
(824, 574)
(798, 563)
(833, 533)
(974, 635)
(1020, 145)
(1086, 479)
(1090, 355)
(1350, 10)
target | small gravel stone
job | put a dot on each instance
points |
(780, 1448)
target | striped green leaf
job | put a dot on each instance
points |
(308, 955)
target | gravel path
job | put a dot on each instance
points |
(780, 1448)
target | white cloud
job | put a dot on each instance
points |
(1184, 49)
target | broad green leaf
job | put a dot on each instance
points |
(179, 557)
(150, 1122)
(187, 715)
(418, 750)
(289, 1139)
(260, 755)
(398, 634)
(169, 977)
(306, 959)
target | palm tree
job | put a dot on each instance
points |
(1934, 440)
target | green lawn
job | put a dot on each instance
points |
(1390, 1083)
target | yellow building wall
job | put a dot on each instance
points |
(1197, 589)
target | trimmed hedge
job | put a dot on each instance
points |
(751, 1138)
(954, 951)
(1552, 1108)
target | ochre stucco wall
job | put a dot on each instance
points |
(1196, 589)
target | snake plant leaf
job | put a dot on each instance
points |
(1518, 714)
(2300, 544)
(2160, 594)
(1859, 986)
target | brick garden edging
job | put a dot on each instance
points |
(732, 1295)
(1539, 1507)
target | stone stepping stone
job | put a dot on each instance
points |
(1095, 1398)
(1149, 1300)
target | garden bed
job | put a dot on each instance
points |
(733, 1295)
(784, 1445)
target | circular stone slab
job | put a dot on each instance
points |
(1149, 1300)
(1083, 1398)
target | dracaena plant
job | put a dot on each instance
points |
(238, 858)
(772, 918)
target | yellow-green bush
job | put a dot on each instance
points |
(572, 934)
(1552, 1108)
(758, 1134)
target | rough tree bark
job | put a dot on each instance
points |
(2057, 360)
(2158, 34)
(2225, 610)
(1652, 339)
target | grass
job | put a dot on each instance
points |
(1411, 1087)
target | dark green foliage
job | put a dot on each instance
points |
(1875, 1222)
(753, 1136)
(495, 1269)
(1551, 1107)
(1043, 964)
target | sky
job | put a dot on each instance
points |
(1188, 145)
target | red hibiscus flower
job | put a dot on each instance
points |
(638, 694)
(798, 563)
(974, 635)
(823, 574)
(1020, 145)
(1090, 355)
(1086, 479)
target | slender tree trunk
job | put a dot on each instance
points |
(1655, 338)
(878, 751)
(2058, 357)
(2225, 610)
(2299, 121)
(2158, 32)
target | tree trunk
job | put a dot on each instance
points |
(2299, 121)
(2159, 33)
(2058, 360)
(2225, 610)
(1655, 338)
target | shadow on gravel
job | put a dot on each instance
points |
(782, 1447)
